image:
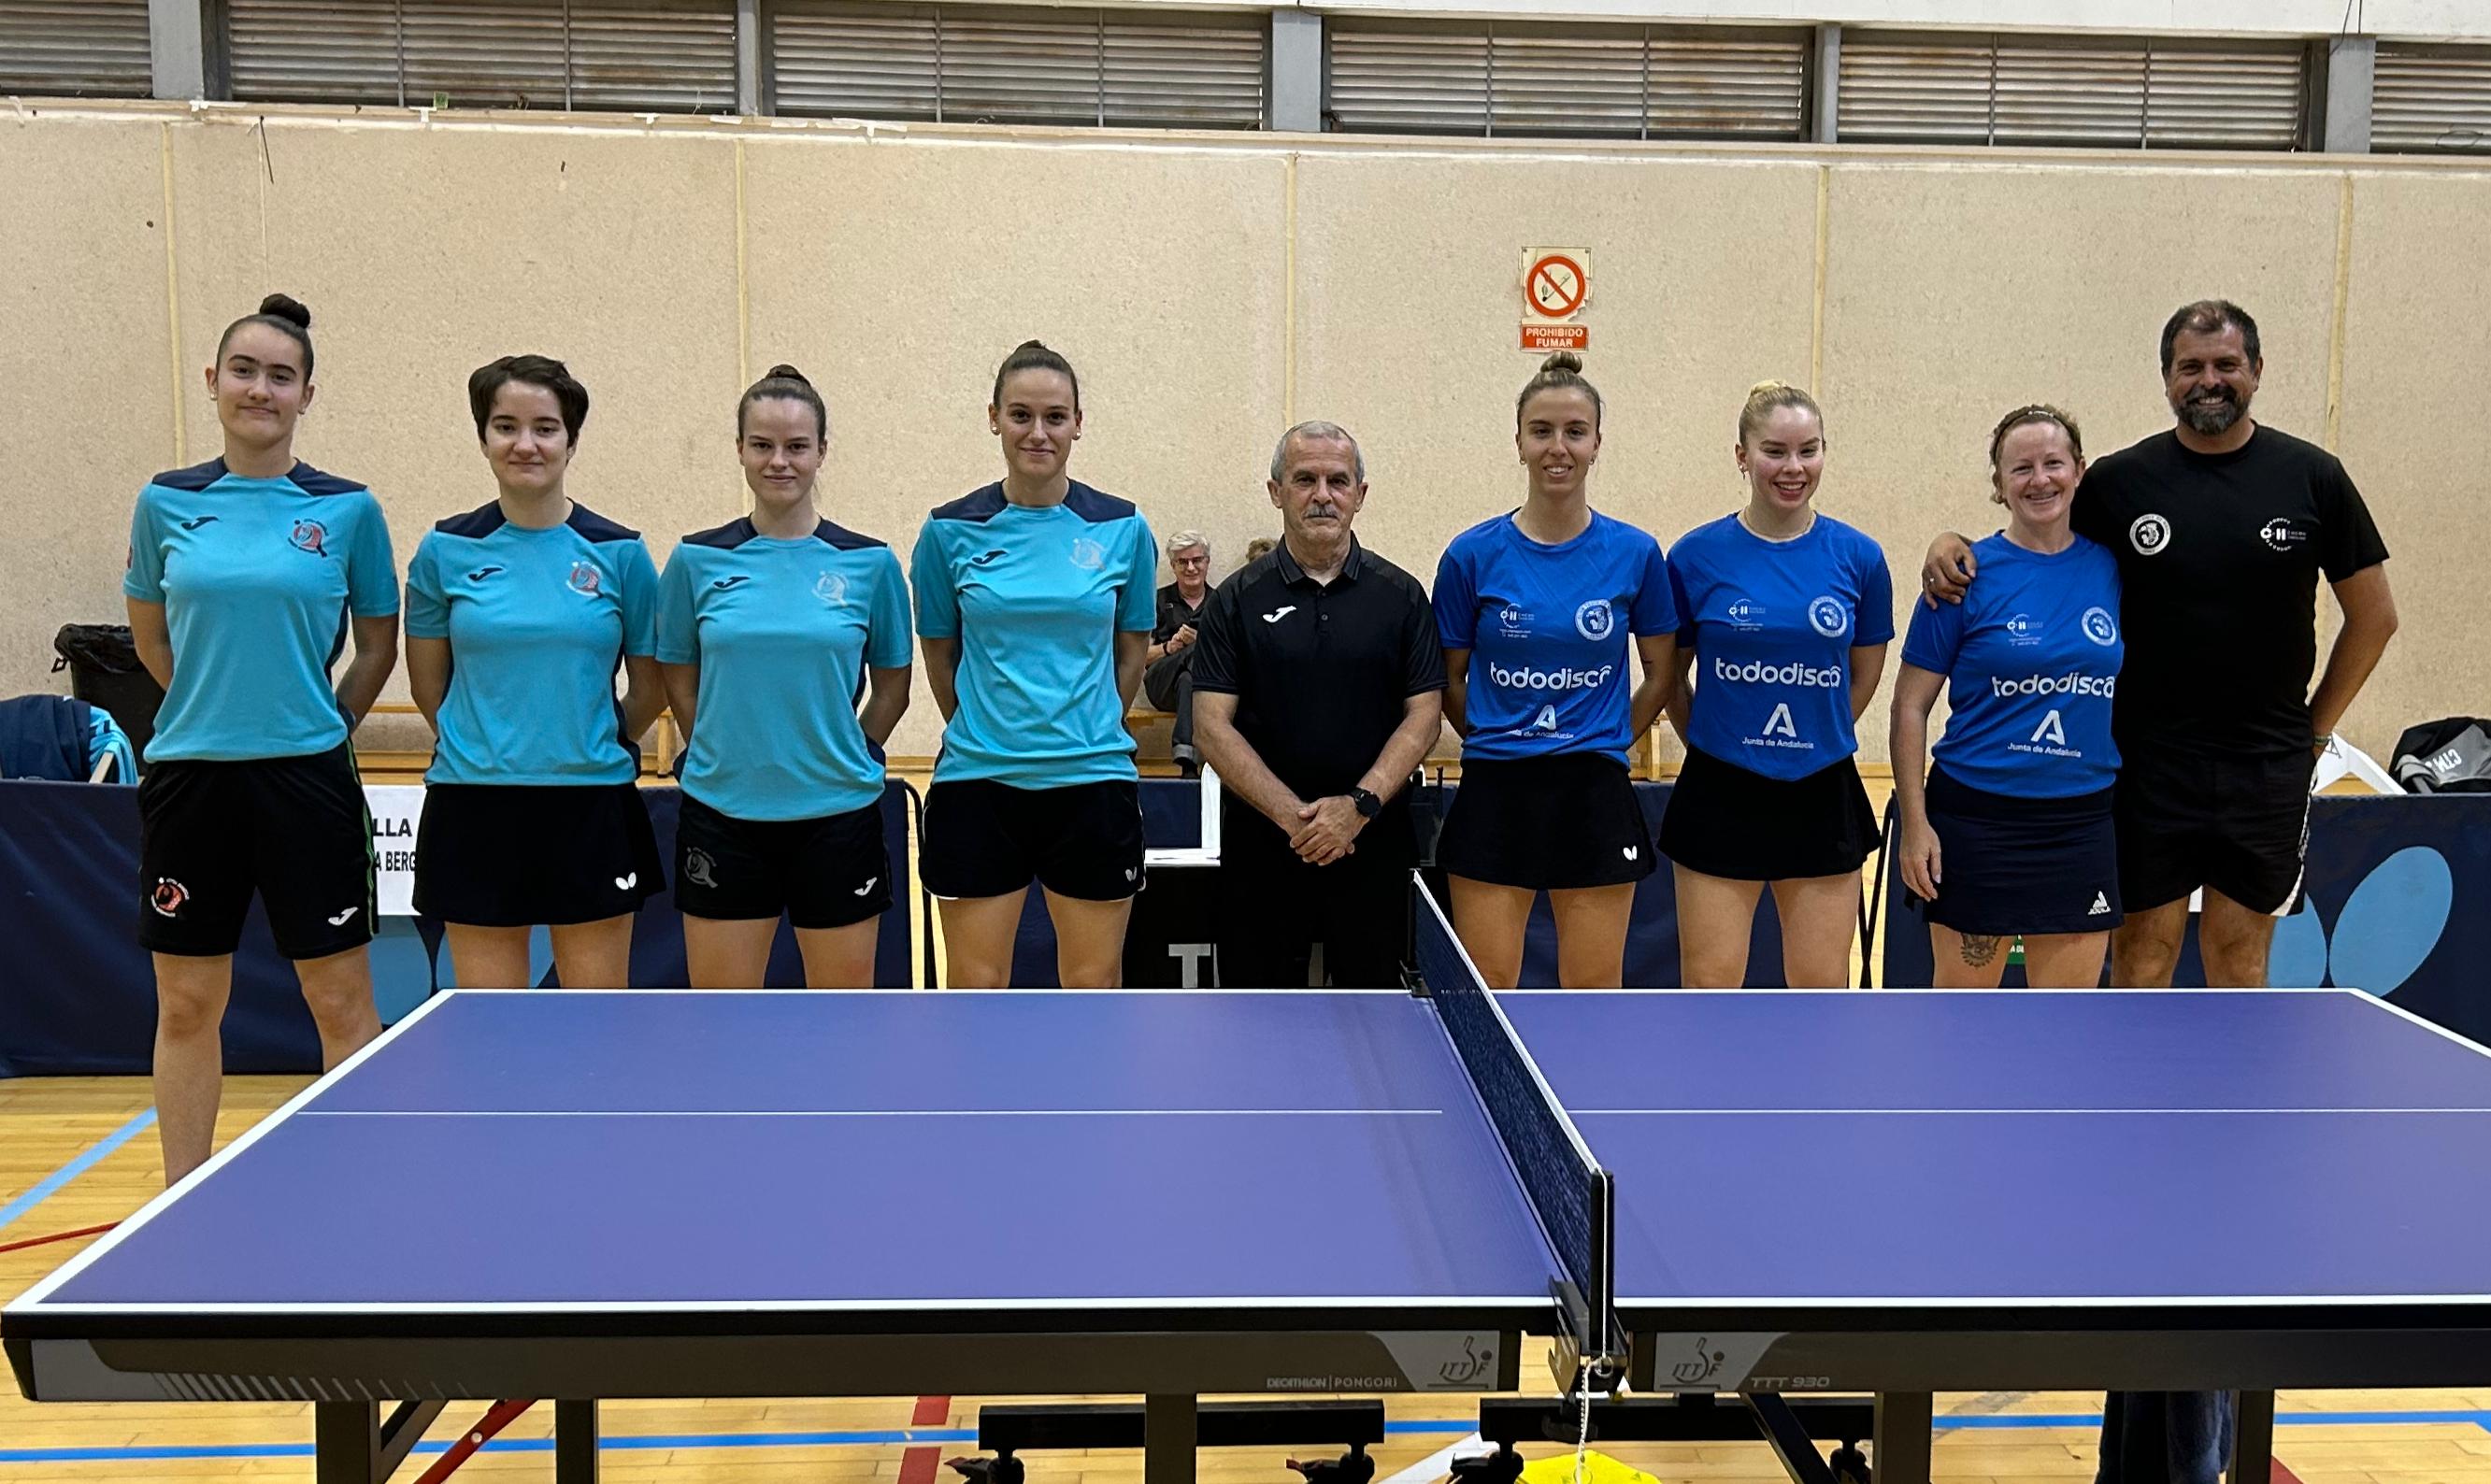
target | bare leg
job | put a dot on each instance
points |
(1820, 921)
(1967, 960)
(338, 988)
(2064, 960)
(978, 933)
(1592, 935)
(727, 952)
(1715, 916)
(593, 955)
(1490, 919)
(2145, 950)
(190, 994)
(2235, 940)
(1089, 940)
(489, 958)
(839, 957)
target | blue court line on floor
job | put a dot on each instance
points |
(645, 1443)
(43, 1189)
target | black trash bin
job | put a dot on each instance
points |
(105, 671)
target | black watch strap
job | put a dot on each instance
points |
(1369, 805)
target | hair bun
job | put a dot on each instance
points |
(1029, 345)
(286, 308)
(1767, 388)
(783, 371)
(1562, 361)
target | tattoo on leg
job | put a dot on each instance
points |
(1980, 948)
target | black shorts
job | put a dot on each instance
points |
(2187, 820)
(292, 828)
(1546, 823)
(2022, 865)
(490, 854)
(1727, 822)
(985, 838)
(825, 872)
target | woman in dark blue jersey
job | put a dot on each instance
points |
(1533, 609)
(1784, 614)
(764, 626)
(519, 613)
(2011, 834)
(247, 575)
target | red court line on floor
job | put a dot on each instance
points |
(45, 1242)
(936, 1410)
(2279, 1474)
(917, 1466)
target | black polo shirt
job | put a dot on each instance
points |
(1322, 673)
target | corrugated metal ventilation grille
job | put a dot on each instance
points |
(2105, 91)
(75, 48)
(2431, 99)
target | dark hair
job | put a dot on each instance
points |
(284, 314)
(2033, 412)
(489, 379)
(1034, 356)
(1562, 369)
(2209, 316)
(787, 384)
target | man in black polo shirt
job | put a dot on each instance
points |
(2221, 528)
(1317, 688)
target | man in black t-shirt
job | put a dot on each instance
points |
(1167, 668)
(2222, 528)
(1318, 687)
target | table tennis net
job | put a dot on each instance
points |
(1567, 1188)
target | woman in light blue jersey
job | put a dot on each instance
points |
(767, 625)
(1533, 609)
(1785, 616)
(1035, 600)
(247, 576)
(519, 614)
(2011, 834)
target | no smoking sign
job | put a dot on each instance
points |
(1556, 283)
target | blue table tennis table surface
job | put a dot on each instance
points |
(1228, 1151)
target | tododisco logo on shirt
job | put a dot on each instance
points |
(2095, 688)
(1756, 672)
(1550, 680)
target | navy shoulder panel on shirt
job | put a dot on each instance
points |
(196, 477)
(832, 534)
(475, 524)
(726, 537)
(1095, 506)
(597, 529)
(977, 505)
(314, 481)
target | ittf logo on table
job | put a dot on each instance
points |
(310, 536)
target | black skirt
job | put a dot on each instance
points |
(1727, 822)
(1547, 823)
(492, 855)
(2022, 865)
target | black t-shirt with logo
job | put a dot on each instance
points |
(2219, 556)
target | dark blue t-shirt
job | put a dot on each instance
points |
(2032, 658)
(1546, 628)
(1772, 624)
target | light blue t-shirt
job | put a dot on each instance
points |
(1546, 627)
(2032, 658)
(257, 577)
(1772, 624)
(537, 621)
(1035, 595)
(783, 628)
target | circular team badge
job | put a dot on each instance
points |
(2148, 535)
(1828, 617)
(831, 588)
(1088, 555)
(2100, 628)
(1594, 621)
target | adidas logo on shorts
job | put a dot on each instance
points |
(2100, 907)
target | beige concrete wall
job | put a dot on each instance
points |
(1210, 289)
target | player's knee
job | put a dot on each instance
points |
(338, 1001)
(182, 1012)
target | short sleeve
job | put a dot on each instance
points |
(372, 566)
(1423, 651)
(929, 574)
(144, 579)
(678, 627)
(427, 606)
(2349, 539)
(1457, 601)
(1655, 610)
(1935, 638)
(1215, 642)
(639, 601)
(1137, 606)
(1876, 621)
(1679, 600)
(886, 643)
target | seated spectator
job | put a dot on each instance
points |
(1168, 675)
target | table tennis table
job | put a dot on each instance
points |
(583, 1195)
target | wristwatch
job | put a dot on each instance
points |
(1369, 805)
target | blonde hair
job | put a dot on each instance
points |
(1562, 369)
(1766, 397)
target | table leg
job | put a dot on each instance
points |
(2253, 1438)
(575, 1442)
(347, 1437)
(1899, 1453)
(1169, 1427)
